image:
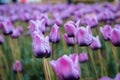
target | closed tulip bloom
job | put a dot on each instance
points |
(58, 21)
(83, 36)
(41, 46)
(115, 37)
(117, 77)
(54, 34)
(69, 40)
(83, 57)
(16, 32)
(105, 78)
(66, 67)
(105, 31)
(95, 43)
(17, 66)
(1, 39)
(7, 27)
(70, 28)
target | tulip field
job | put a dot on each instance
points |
(60, 41)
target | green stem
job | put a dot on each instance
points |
(102, 64)
(45, 70)
(115, 57)
(93, 63)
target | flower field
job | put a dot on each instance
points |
(60, 41)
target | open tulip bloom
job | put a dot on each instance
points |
(41, 45)
(66, 67)
(83, 36)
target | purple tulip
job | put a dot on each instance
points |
(115, 37)
(41, 45)
(117, 77)
(83, 57)
(69, 40)
(7, 27)
(66, 67)
(17, 66)
(105, 78)
(83, 36)
(70, 28)
(1, 39)
(16, 32)
(95, 43)
(37, 25)
(105, 31)
(58, 21)
(54, 34)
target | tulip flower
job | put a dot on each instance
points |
(83, 36)
(1, 39)
(58, 21)
(105, 78)
(83, 57)
(105, 31)
(66, 67)
(37, 25)
(16, 32)
(115, 37)
(70, 28)
(95, 43)
(69, 40)
(41, 45)
(54, 34)
(17, 66)
(7, 27)
(117, 77)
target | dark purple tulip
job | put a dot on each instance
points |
(105, 31)
(54, 34)
(16, 32)
(1, 39)
(70, 28)
(83, 57)
(95, 43)
(66, 67)
(84, 36)
(69, 40)
(41, 45)
(7, 27)
(17, 66)
(115, 37)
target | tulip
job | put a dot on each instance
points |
(117, 77)
(115, 37)
(58, 21)
(66, 67)
(41, 45)
(70, 28)
(16, 32)
(1, 39)
(105, 31)
(54, 34)
(69, 40)
(105, 78)
(37, 25)
(7, 27)
(17, 66)
(95, 43)
(83, 57)
(83, 36)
